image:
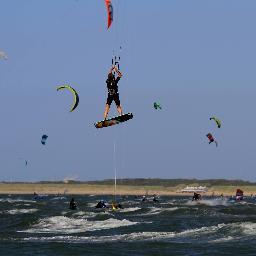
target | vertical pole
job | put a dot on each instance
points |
(114, 159)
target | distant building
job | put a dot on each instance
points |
(190, 189)
(68, 181)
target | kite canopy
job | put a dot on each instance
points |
(76, 97)
(157, 105)
(218, 122)
(44, 138)
(110, 12)
(3, 55)
(211, 139)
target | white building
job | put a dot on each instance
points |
(190, 189)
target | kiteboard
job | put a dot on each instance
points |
(114, 120)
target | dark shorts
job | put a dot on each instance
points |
(114, 97)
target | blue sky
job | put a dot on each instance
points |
(197, 58)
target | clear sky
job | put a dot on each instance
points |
(197, 58)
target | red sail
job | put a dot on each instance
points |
(110, 12)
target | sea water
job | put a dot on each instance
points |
(172, 226)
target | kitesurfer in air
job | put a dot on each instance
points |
(113, 91)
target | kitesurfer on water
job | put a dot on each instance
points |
(144, 199)
(155, 200)
(101, 204)
(116, 206)
(113, 91)
(72, 204)
(196, 197)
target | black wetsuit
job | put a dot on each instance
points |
(113, 91)
(155, 200)
(196, 197)
(72, 204)
(101, 205)
(119, 206)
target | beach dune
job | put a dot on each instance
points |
(91, 189)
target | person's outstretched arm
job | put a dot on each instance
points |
(118, 72)
(112, 68)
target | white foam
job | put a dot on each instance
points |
(209, 202)
(92, 204)
(248, 228)
(8, 200)
(196, 231)
(238, 228)
(85, 214)
(65, 225)
(21, 211)
(139, 236)
(152, 211)
(156, 210)
(168, 202)
(59, 198)
(223, 239)
(172, 209)
(79, 213)
(131, 209)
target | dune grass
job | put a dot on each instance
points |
(91, 189)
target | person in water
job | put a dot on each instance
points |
(117, 206)
(72, 204)
(101, 204)
(113, 91)
(196, 197)
(155, 200)
(144, 199)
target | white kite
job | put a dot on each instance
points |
(3, 55)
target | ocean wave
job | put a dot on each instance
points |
(209, 202)
(141, 236)
(211, 234)
(248, 228)
(65, 225)
(152, 211)
(156, 210)
(236, 231)
(131, 237)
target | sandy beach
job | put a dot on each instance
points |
(86, 189)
